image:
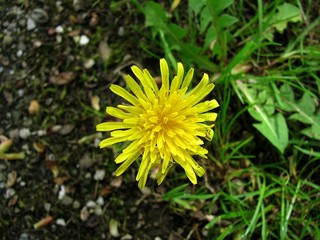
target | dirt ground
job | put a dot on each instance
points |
(57, 59)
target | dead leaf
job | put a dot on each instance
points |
(39, 147)
(117, 182)
(62, 78)
(105, 51)
(34, 107)
(95, 100)
(12, 177)
(43, 222)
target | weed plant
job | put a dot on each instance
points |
(262, 181)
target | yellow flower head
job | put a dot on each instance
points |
(165, 125)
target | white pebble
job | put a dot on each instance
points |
(62, 192)
(19, 53)
(100, 201)
(24, 133)
(98, 210)
(99, 174)
(61, 222)
(9, 193)
(59, 29)
(89, 63)
(31, 24)
(91, 204)
(84, 40)
(20, 92)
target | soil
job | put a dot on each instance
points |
(57, 60)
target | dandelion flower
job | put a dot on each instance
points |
(165, 125)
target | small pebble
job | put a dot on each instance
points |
(59, 29)
(31, 24)
(126, 237)
(7, 40)
(47, 206)
(62, 193)
(19, 53)
(84, 40)
(120, 31)
(24, 133)
(76, 204)
(99, 174)
(61, 222)
(9, 193)
(86, 161)
(84, 214)
(88, 63)
(91, 204)
(20, 92)
(100, 201)
(98, 210)
(67, 201)
(39, 15)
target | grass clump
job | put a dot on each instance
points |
(262, 179)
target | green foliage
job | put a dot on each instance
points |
(286, 13)
(262, 108)
(264, 59)
(304, 110)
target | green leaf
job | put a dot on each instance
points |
(304, 110)
(226, 20)
(275, 129)
(261, 108)
(205, 20)
(210, 36)
(196, 5)
(155, 15)
(287, 12)
(179, 31)
(217, 6)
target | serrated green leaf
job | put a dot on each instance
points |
(287, 12)
(273, 127)
(304, 110)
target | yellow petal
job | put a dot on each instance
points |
(115, 112)
(124, 94)
(201, 95)
(109, 126)
(177, 80)
(151, 80)
(112, 140)
(206, 106)
(164, 73)
(135, 88)
(201, 85)
(124, 166)
(208, 117)
(188, 78)
(139, 74)
(131, 109)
